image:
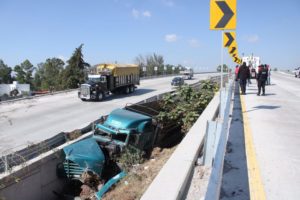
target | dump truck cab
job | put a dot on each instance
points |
(123, 127)
(94, 88)
(84, 155)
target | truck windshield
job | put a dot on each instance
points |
(94, 79)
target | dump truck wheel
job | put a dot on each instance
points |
(131, 89)
(100, 96)
(127, 90)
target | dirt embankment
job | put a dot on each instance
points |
(140, 177)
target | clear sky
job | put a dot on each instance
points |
(120, 30)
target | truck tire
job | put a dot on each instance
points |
(83, 99)
(127, 90)
(100, 96)
(131, 89)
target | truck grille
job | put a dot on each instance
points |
(73, 170)
(85, 90)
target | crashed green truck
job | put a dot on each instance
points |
(133, 125)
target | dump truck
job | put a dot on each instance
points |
(110, 78)
(133, 125)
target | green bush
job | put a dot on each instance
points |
(131, 156)
(187, 105)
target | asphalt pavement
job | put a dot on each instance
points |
(263, 157)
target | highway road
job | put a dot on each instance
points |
(30, 121)
(274, 122)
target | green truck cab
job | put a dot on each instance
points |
(133, 125)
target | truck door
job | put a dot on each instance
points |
(147, 136)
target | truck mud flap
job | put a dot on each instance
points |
(109, 184)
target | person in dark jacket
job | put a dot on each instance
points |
(262, 77)
(243, 75)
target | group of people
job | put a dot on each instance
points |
(242, 73)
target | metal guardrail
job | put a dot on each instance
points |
(36, 96)
(215, 144)
(9, 160)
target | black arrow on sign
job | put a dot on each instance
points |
(232, 50)
(227, 14)
(230, 39)
(235, 59)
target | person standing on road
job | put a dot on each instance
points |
(250, 70)
(262, 77)
(269, 75)
(243, 75)
(236, 72)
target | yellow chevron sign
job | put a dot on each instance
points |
(233, 49)
(229, 39)
(222, 14)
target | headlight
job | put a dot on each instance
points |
(94, 92)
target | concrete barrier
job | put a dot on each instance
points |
(35, 179)
(172, 181)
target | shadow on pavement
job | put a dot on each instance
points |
(263, 107)
(235, 174)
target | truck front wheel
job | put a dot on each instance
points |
(127, 90)
(100, 96)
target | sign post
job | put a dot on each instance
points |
(223, 17)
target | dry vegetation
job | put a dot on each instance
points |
(140, 177)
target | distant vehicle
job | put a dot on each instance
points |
(187, 74)
(177, 81)
(110, 78)
(297, 72)
(253, 62)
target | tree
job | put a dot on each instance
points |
(28, 69)
(75, 71)
(150, 62)
(24, 72)
(5, 73)
(225, 68)
(169, 68)
(48, 74)
(140, 61)
(20, 74)
(38, 76)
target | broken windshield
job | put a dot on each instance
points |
(119, 136)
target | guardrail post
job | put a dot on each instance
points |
(210, 139)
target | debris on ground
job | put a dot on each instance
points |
(133, 186)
